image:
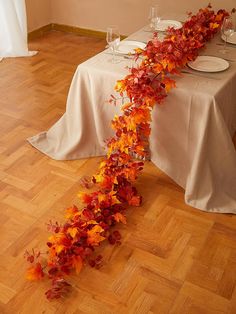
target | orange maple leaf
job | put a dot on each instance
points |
(94, 235)
(150, 101)
(171, 66)
(77, 263)
(35, 272)
(158, 67)
(120, 218)
(169, 84)
(102, 197)
(71, 212)
(219, 17)
(84, 197)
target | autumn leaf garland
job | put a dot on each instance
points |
(73, 243)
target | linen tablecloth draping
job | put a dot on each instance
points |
(191, 138)
(13, 29)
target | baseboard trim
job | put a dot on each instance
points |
(39, 32)
(77, 30)
(68, 29)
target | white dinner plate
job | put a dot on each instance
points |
(163, 25)
(128, 46)
(209, 64)
(231, 39)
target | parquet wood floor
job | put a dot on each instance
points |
(173, 259)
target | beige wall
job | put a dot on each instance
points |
(97, 14)
(128, 14)
(38, 13)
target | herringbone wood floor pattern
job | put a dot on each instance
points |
(173, 258)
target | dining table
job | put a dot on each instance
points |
(191, 132)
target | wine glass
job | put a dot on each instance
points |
(113, 40)
(227, 29)
(153, 17)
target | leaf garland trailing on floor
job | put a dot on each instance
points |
(73, 243)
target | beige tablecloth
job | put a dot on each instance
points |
(191, 139)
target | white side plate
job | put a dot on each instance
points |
(163, 25)
(209, 64)
(128, 46)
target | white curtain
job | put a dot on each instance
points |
(13, 29)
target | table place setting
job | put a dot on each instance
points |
(157, 23)
(208, 66)
(124, 49)
(219, 59)
(228, 34)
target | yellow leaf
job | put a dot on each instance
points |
(72, 232)
(99, 178)
(120, 86)
(214, 25)
(138, 50)
(102, 197)
(92, 222)
(94, 236)
(164, 63)
(81, 195)
(115, 200)
(71, 212)
(52, 239)
(59, 248)
(102, 164)
(96, 229)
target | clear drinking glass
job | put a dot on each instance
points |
(113, 40)
(153, 17)
(227, 29)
